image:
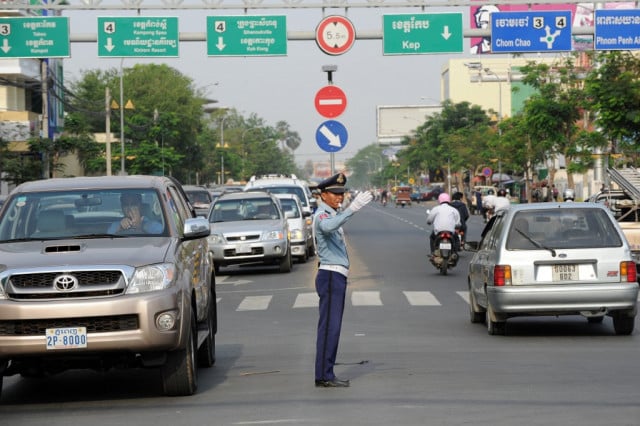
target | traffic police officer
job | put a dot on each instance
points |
(333, 269)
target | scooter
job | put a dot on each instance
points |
(444, 256)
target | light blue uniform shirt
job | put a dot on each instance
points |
(330, 244)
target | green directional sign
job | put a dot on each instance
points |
(414, 34)
(246, 35)
(44, 37)
(150, 36)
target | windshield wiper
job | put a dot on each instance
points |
(536, 243)
(87, 236)
(21, 240)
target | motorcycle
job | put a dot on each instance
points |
(460, 236)
(444, 255)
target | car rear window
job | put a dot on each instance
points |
(244, 209)
(562, 229)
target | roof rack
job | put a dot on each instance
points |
(273, 176)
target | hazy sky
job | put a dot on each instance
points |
(284, 87)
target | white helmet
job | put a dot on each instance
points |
(568, 194)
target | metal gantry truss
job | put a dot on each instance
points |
(254, 4)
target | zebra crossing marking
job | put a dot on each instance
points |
(464, 295)
(358, 298)
(306, 300)
(254, 303)
(366, 298)
(421, 298)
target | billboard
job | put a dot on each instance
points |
(395, 122)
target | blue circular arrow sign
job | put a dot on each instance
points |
(331, 136)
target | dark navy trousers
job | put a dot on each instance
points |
(331, 287)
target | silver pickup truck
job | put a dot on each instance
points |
(104, 272)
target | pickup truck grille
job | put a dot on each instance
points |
(38, 286)
(93, 324)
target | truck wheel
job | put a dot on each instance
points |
(207, 352)
(179, 375)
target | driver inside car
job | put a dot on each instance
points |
(133, 220)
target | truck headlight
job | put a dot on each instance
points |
(296, 234)
(152, 278)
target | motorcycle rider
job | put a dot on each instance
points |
(501, 202)
(462, 210)
(444, 217)
(487, 205)
(568, 195)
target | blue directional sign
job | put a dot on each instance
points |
(617, 29)
(533, 31)
(331, 136)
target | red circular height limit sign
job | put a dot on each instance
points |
(330, 101)
(335, 35)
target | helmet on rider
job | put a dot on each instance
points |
(568, 195)
(444, 198)
(502, 192)
(490, 192)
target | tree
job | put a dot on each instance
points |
(163, 126)
(457, 136)
(553, 114)
(613, 88)
(366, 166)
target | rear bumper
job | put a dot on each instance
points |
(563, 299)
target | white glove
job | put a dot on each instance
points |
(361, 200)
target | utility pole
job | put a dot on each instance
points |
(107, 127)
(45, 119)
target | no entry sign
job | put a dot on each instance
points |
(330, 101)
(335, 35)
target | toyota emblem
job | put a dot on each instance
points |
(65, 282)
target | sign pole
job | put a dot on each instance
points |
(330, 69)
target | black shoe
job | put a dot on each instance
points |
(334, 383)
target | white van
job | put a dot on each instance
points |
(282, 184)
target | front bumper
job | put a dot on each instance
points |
(298, 248)
(120, 323)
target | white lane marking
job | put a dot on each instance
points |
(421, 298)
(254, 303)
(276, 421)
(366, 298)
(464, 295)
(306, 300)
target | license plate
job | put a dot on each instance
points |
(565, 273)
(445, 246)
(66, 338)
(243, 249)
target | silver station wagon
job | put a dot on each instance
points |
(553, 259)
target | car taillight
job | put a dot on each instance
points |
(628, 271)
(501, 275)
